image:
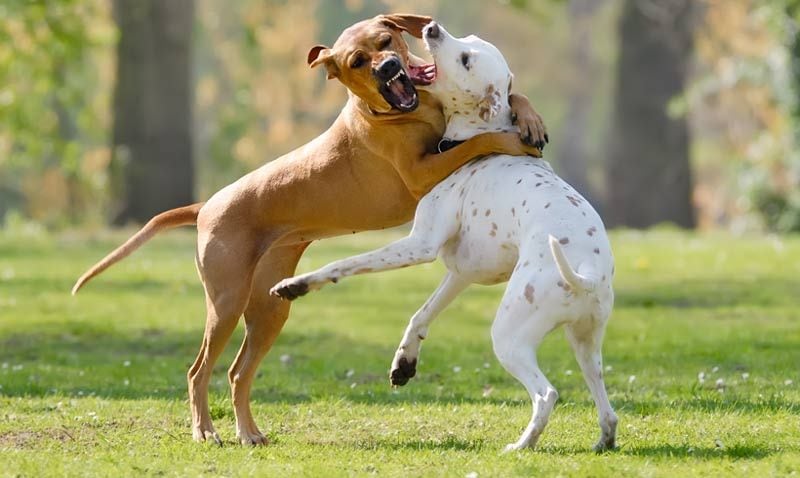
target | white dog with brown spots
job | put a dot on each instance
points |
(497, 219)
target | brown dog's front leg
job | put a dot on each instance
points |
(531, 125)
(431, 169)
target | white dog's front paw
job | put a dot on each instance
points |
(290, 289)
(403, 369)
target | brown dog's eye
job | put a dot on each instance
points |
(384, 43)
(465, 60)
(358, 61)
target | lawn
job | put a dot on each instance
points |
(702, 357)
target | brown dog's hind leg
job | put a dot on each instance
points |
(264, 319)
(226, 267)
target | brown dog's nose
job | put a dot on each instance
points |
(388, 68)
(432, 30)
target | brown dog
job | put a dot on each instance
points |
(366, 172)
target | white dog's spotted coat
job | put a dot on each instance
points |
(501, 219)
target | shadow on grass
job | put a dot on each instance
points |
(78, 359)
(448, 443)
(706, 404)
(709, 294)
(666, 451)
(656, 451)
(700, 453)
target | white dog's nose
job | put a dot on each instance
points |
(432, 30)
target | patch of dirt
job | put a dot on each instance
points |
(30, 439)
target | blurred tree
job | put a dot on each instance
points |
(574, 150)
(53, 108)
(778, 201)
(152, 133)
(743, 107)
(649, 178)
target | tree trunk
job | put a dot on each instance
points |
(793, 11)
(649, 177)
(152, 133)
(573, 153)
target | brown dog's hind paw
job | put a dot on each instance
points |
(208, 436)
(288, 290)
(256, 439)
(403, 372)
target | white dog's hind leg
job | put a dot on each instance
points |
(404, 365)
(586, 338)
(517, 331)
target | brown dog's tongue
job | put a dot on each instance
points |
(397, 89)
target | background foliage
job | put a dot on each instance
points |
(255, 99)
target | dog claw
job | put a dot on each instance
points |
(254, 440)
(208, 435)
(403, 372)
(212, 437)
(288, 290)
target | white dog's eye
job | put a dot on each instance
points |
(465, 60)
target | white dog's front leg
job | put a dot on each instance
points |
(406, 252)
(434, 223)
(404, 365)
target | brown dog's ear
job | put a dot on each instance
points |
(321, 54)
(489, 106)
(318, 53)
(412, 24)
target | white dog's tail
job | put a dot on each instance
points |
(577, 281)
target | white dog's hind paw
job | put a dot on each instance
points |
(512, 447)
(604, 445)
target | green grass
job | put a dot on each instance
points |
(95, 385)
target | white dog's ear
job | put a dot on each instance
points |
(489, 106)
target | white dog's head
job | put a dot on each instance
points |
(472, 81)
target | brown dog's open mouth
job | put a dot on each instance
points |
(400, 92)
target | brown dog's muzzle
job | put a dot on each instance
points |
(395, 85)
(388, 69)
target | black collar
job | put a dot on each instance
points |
(446, 144)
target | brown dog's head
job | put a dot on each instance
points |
(371, 59)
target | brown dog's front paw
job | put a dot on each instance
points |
(403, 372)
(288, 289)
(510, 144)
(533, 131)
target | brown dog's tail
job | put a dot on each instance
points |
(182, 216)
